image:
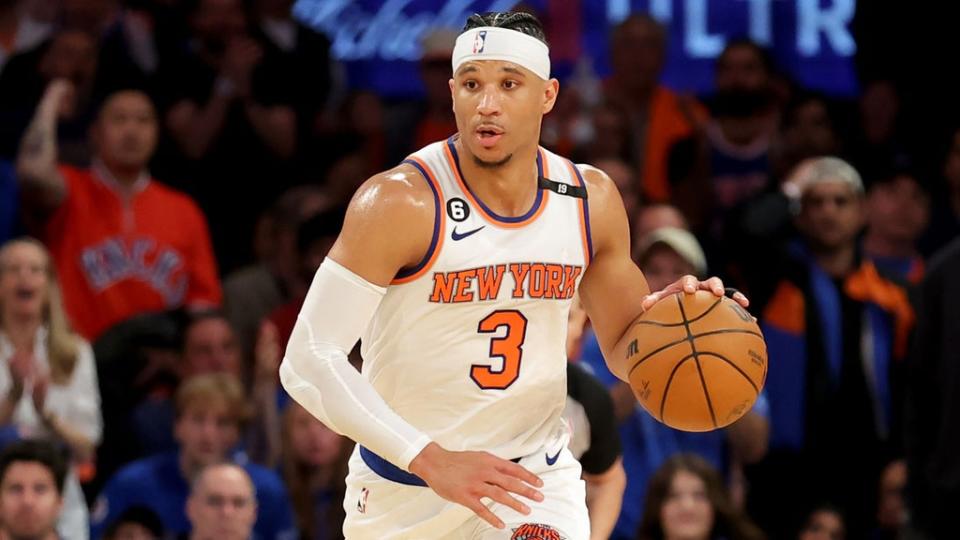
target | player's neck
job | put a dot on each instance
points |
(508, 190)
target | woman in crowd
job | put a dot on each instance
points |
(48, 379)
(686, 500)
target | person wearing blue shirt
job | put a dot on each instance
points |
(210, 410)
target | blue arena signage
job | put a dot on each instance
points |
(379, 40)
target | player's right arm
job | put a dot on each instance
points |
(388, 226)
(37, 156)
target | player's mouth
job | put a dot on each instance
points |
(488, 135)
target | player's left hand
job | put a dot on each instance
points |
(690, 284)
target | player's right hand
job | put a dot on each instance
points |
(466, 477)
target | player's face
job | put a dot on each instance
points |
(29, 500)
(499, 107)
(313, 443)
(126, 131)
(23, 279)
(823, 525)
(898, 210)
(206, 432)
(687, 514)
(211, 347)
(223, 506)
(831, 215)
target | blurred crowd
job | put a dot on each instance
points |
(172, 173)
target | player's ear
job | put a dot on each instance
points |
(551, 89)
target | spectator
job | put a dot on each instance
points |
(625, 180)
(208, 344)
(49, 383)
(665, 255)
(314, 239)
(434, 116)
(686, 500)
(654, 216)
(824, 523)
(595, 441)
(315, 468)
(879, 133)
(210, 412)
(229, 107)
(898, 211)
(306, 52)
(73, 55)
(252, 292)
(136, 523)
(123, 243)
(945, 211)
(836, 332)
(891, 510)
(222, 504)
(31, 490)
(656, 117)
(19, 29)
(933, 448)
(807, 132)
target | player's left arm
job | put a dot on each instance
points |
(613, 289)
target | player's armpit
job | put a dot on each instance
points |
(613, 287)
(388, 226)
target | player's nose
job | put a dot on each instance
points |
(489, 102)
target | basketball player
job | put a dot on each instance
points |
(457, 269)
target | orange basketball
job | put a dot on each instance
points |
(697, 362)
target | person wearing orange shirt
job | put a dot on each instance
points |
(123, 243)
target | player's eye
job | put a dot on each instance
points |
(510, 84)
(471, 84)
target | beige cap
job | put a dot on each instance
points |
(679, 240)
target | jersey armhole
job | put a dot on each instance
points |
(406, 275)
(584, 213)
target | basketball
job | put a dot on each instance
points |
(696, 362)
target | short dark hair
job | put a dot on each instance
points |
(187, 319)
(521, 21)
(39, 451)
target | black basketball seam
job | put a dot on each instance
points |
(734, 366)
(696, 358)
(697, 318)
(666, 389)
(695, 336)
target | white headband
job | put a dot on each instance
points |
(493, 43)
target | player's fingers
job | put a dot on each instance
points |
(519, 471)
(484, 513)
(690, 284)
(649, 300)
(514, 485)
(714, 285)
(737, 296)
(500, 495)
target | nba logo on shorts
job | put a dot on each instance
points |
(362, 501)
(479, 41)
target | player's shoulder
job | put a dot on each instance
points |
(599, 184)
(398, 194)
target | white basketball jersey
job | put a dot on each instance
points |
(469, 346)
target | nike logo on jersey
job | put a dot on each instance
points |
(460, 236)
(552, 460)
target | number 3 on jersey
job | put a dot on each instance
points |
(509, 348)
